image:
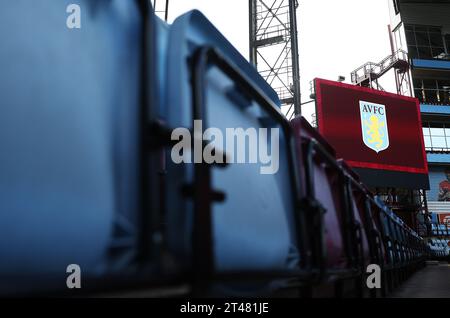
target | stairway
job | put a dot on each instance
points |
(371, 71)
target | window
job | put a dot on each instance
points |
(436, 136)
(398, 38)
(425, 42)
(437, 131)
(430, 91)
(427, 138)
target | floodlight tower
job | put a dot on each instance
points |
(274, 49)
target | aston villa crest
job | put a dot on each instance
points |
(374, 126)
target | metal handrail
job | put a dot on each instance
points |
(439, 96)
(377, 69)
(437, 149)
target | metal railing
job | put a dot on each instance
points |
(434, 96)
(438, 149)
(376, 70)
(434, 229)
(272, 32)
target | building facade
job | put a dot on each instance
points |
(422, 29)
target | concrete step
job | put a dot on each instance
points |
(431, 282)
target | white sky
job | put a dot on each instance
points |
(335, 37)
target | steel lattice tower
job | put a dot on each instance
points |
(161, 8)
(274, 49)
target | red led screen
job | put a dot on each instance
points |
(371, 129)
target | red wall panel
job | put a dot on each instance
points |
(339, 121)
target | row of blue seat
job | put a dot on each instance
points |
(440, 230)
(439, 248)
(87, 179)
(375, 235)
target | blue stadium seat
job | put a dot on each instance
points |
(253, 229)
(68, 134)
(434, 229)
